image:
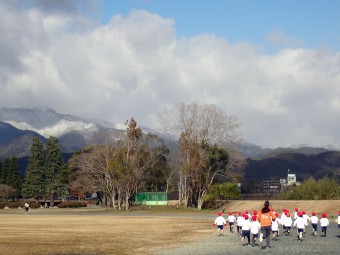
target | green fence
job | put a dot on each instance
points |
(151, 198)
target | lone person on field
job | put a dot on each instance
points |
(27, 207)
(265, 217)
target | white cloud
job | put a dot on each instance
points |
(279, 38)
(136, 66)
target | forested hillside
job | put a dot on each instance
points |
(304, 166)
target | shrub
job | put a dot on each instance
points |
(71, 204)
(34, 205)
(30, 202)
(3, 205)
(13, 205)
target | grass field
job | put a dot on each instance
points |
(88, 233)
(142, 230)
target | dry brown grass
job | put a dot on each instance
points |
(99, 231)
(95, 234)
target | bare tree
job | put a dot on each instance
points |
(197, 126)
(6, 191)
(93, 170)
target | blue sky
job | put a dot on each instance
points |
(274, 65)
(311, 23)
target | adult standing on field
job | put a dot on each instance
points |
(265, 217)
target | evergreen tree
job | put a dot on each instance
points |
(13, 178)
(33, 186)
(53, 167)
(6, 169)
(1, 172)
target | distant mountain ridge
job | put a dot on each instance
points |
(16, 142)
(19, 126)
(256, 152)
(74, 132)
(304, 166)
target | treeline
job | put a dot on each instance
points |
(46, 174)
(312, 189)
(10, 179)
(138, 162)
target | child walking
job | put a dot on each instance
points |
(220, 222)
(239, 222)
(245, 229)
(300, 224)
(255, 227)
(338, 221)
(231, 219)
(314, 220)
(324, 222)
(288, 224)
(275, 227)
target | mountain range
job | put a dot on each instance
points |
(18, 126)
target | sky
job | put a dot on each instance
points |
(274, 65)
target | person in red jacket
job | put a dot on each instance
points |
(265, 217)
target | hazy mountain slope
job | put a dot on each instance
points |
(304, 166)
(16, 142)
(256, 152)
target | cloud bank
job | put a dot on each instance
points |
(61, 57)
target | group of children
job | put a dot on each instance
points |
(249, 227)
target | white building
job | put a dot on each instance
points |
(291, 179)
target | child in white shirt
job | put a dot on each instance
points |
(314, 220)
(245, 229)
(300, 224)
(231, 219)
(288, 224)
(255, 227)
(275, 227)
(283, 216)
(220, 222)
(338, 220)
(306, 218)
(295, 216)
(324, 222)
(239, 222)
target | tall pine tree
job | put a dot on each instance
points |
(33, 186)
(1, 172)
(53, 167)
(13, 177)
(5, 169)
